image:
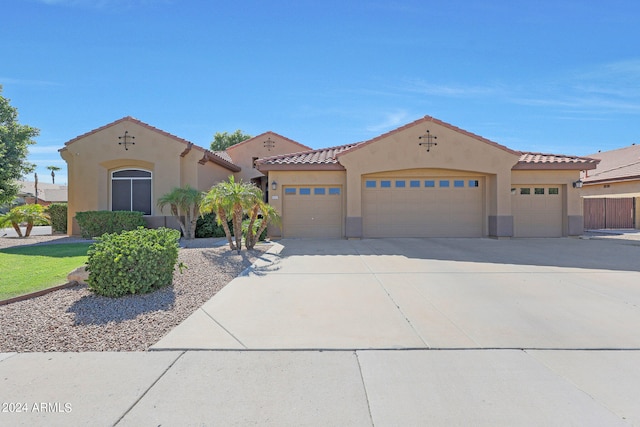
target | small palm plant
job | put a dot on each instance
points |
(29, 214)
(185, 201)
(231, 199)
(268, 214)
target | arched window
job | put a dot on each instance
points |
(131, 190)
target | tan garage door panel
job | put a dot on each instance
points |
(312, 211)
(423, 207)
(537, 211)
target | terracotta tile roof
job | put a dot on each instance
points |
(224, 155)
(325, 158)
(622, 164)
(554, 161)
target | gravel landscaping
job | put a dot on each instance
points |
(74, 319)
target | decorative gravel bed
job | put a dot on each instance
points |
(74, 319)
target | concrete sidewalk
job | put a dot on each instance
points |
(292, 388)
(375, 332)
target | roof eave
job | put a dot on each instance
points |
(301, 167)
(553, 166)
(611, 180)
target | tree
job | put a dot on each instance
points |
(261, 215)
(53, 170)
(25, 213)
(184, 201)
(14, 141)
(222, 141)
(231, 199)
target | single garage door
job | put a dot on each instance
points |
(423, 207)
(537, 210)
(312, 211)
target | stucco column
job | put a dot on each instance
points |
(500, 219)
(353, 222)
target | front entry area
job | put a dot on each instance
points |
(423, 206)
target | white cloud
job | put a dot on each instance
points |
(389, 121)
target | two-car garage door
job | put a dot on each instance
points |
(443, 206)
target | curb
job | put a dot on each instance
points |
(37, 293)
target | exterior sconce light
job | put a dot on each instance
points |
(577, 184)
(274, 185)
(429, 140)
(126, 139)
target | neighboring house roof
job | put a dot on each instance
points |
(554, 161)
(325, 158)
(46, 192)
(622, 164)
(207, 156)
(267, 134)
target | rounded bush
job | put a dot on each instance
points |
(132, 262)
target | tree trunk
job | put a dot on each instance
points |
(237, 226)
(28, 230)
(250, 240)
(16, 227)
(225, 226)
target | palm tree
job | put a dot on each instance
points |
(25, 213)
(231, 198)
(53, 170)
(214, 201)
(185, 201)
(269, 215)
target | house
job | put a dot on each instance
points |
(425, 179)
(46, 193)
(129, 165)
(612, 190)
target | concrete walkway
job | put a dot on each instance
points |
(374, 332)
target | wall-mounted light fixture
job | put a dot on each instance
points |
(577, 184)
(126, 139)
(274, 185)
(428, 140)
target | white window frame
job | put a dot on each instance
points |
(112, 178)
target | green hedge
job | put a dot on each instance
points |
(58, 215)
(97, 223)
(132, 262)
(207, 226)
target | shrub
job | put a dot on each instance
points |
(97, 223)
(132, 262)
(58, 215)
(208, 227)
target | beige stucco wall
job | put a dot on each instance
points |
(91, 159)
(456, 151)
(618, 189)
(285, 178)
(242, 154)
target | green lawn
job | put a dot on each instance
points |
(28, 269)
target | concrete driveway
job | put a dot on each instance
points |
(426, 293)
(422, 332)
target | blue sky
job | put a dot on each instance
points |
(548, 76)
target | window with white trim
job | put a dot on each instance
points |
(131, 190)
